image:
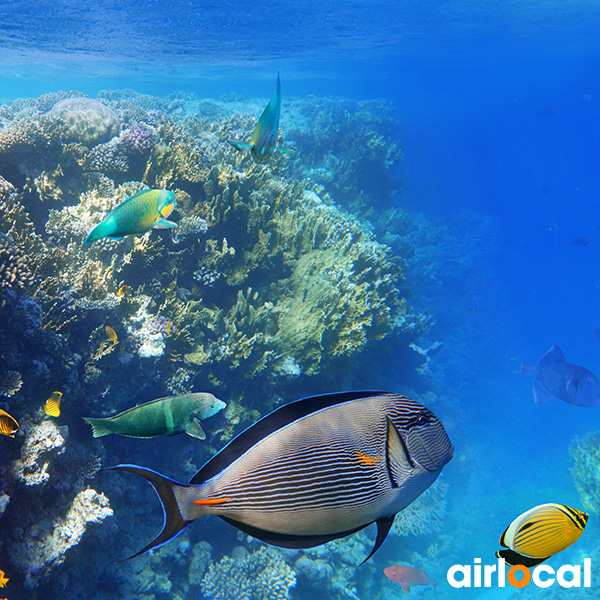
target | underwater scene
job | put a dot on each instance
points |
(325, 275)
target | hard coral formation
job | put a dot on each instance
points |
(10, 382)
(39, 552)
(425, 515)
(43, 443)
(261, 575)
(585, 454)
(15, 272)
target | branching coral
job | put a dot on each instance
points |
(262, 575)
(425, 515)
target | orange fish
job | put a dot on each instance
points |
(8, 426)
(407, 576)
(112, 335)
(3, 580)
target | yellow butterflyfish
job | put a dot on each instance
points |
(52, 406)
(169, 324)
(3, 580)
(124, 291)
(8, 426)
(112, 335)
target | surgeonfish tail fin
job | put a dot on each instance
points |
(241, 146)
(526, 369)
(174, 523)
(100, 427)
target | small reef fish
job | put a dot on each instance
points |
(112, 335)
(52, 406)
(8, 425)
(556, 378)
(266, 132)
(407, 576)
(124, 291)
(136, 215)
(3, 580)
(298, 477)
(540, 533)
(173, 414)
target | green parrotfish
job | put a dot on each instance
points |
(264, 140)
(313, 471)
(136, 215)
(173, 414)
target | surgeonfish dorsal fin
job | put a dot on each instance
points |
(398, 460)
(383, 528)
(279, 418)
(553, 355)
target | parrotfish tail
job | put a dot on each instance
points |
(241, 146)
(527, 369)
(286, 150)
(100, 427)
(174, 523)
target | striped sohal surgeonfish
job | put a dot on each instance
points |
(138, 214)
(173, 414)
(264, 140)
(541, 532)
(313, 471)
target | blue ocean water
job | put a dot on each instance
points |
(498, 105)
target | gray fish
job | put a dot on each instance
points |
(556, 378)
(313, 471)
(173, 414)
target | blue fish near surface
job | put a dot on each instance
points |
(313, 471)
(556, 378)
(266, 132)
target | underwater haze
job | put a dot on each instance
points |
(210, 210)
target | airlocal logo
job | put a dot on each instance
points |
(478, 575)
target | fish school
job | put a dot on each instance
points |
(543, 576)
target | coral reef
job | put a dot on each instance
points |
(585, 454)
(40, 551)
(261, 575)
(42, 443)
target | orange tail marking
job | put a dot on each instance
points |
(210, 501)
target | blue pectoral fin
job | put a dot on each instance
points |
(572, 388)
(174, 523)
(540, 394)
(241, 146)
(162, 223)
(286, 150)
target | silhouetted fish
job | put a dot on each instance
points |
(547, 111)
(556, 378)
(313, 471)
(581, 241)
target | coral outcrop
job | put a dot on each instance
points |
(261, 575)
(41, 551)
(585, 454)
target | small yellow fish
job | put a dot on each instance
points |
(124, 291)
(112, 335)
(169, 323)
(52, 406)
(3, 580)
(8, 426)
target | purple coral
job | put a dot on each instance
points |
(137, 140)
